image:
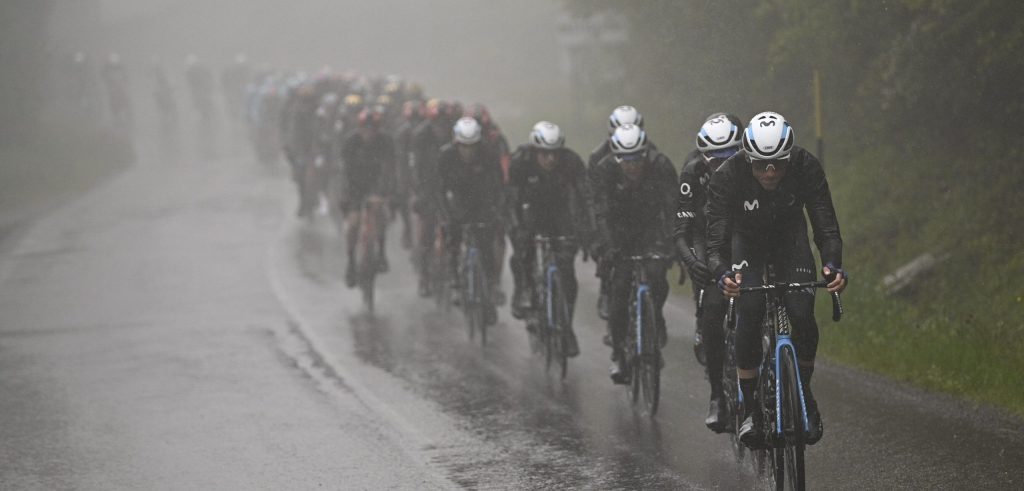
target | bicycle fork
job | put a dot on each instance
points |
(470, 265)
(549, 299)
(641, 290)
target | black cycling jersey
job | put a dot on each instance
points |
(368, 166)
(427, 140)
(550, 202)
(633, 214)
(403, 151)
(691, 202)
(469, 191)
(739, 206)
(298, 128)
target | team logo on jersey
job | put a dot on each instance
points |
(685, 214)
(684, 189)
(741, 265)
(751, 205)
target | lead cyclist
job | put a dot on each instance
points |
(760, 196)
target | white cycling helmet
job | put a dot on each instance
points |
(466, 131)
(718, 133)
(628, 139)
(624, 115)
(547, 136)
(768, 136)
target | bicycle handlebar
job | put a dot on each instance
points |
(837, 303)
(559, 239)
(652, 256)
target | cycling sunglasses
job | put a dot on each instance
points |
(721, 153)
(630, 157)
(761, 165)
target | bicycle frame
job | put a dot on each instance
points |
(472, 257)
(779, 329)
(547, 262)
(641, 288)
(783, 339)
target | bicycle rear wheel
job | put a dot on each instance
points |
(790, 475)
(650, 363)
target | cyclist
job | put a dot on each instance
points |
(352, 107)
(233, 81)
(368, 164)
(200, 83)
(470, 191)
(412, 115)
(163, 96)
(755, 217)
(546, 194)
(427, 140)
(298, 138)
(620, 115)
(497, 144)
(718, 139)
(634, 199)
(115, 79)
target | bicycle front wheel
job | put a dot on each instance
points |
(730, 390)
(560, 312)
(790, 474)
(650, 363)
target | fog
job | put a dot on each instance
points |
(494, 52)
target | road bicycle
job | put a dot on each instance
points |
(780, 395)
(642, 348)
(369, 256)
(477, 297)
(551, 314)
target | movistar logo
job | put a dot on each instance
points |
(751, 205)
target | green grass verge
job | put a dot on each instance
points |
(960, 327)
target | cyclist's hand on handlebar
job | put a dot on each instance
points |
(836, 276)
(729, 283)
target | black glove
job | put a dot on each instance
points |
(521, 236)
(700, 273)
(607, 254)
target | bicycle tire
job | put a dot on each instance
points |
(730, 390)
(368, 287)
(549, 349)
(366, 269)
(561, 311)
(439, 279)
(482, 301)
(792, 451)
(764, 456)
(632, 359)
(651, 360)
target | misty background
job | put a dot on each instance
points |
(921, 100)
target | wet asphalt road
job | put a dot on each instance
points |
(177, 329)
